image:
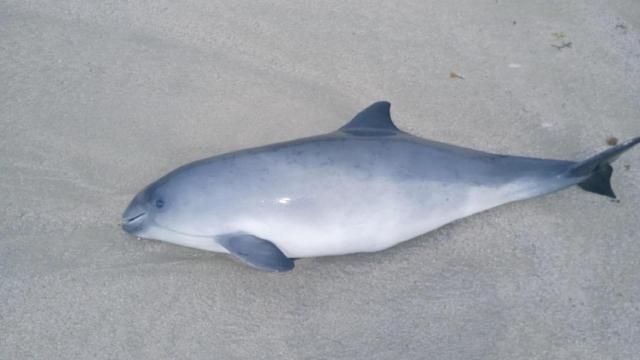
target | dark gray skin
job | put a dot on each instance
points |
(363, 188)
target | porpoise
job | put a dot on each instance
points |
(363, 188)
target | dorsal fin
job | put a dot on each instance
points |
(374, 120)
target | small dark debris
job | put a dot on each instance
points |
(627, 167)
(622, 28)
(453, 75)
(612, 141)
(617, 201)
(514, 22)
(565, 45)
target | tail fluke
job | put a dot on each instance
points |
(600, 181)
(599, 170)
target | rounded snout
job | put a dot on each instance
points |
(134, 216)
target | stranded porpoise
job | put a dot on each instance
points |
(363, 188)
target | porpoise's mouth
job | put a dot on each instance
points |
(132, 224)
(134, 218)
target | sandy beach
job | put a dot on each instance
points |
(97, 99)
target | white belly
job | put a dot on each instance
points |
(384, 215)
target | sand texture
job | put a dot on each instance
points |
(98, 98)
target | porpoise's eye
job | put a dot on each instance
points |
(159, 203)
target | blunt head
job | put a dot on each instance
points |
(177, 208)
(186, 204)
(147, 208)
(164, 208)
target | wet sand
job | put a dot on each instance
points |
(99, 98)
